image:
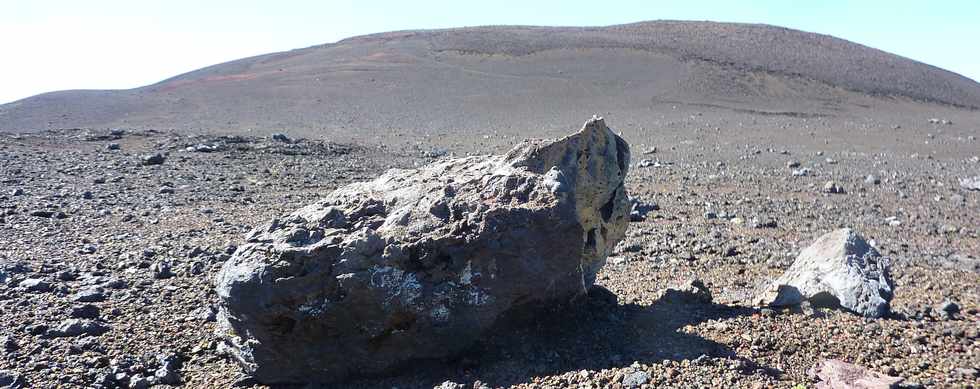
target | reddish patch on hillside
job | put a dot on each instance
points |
(230, 77)
(387, 57)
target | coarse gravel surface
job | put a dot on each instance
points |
(106, 254)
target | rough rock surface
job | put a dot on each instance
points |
(837, 374)
(417, 264)
(839, 269)
(970, 183)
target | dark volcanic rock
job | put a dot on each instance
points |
(153, 159)
(420, 263)
(10, 379)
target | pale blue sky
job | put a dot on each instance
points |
(106, 44)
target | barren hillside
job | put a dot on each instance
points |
(500, 78)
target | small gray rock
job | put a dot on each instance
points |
(639, 209)
(153, 159)
(86, 311)
(47, 213)
(90, 295)
(949, 307)
(636, 379)
(762, 222)
(9, 379)
(967, 372)
(970, 183)
(801, 172)
(833, 187)
(35, 285)
(139, 382)
(162, 270)
(88, 249)
(169, 371)
(78, 327)
(8, 343)
(67, 275)
(840, 269)
(449, 385)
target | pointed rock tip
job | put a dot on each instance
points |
(538, 154)
(596, 122)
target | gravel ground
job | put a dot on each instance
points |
(106, 257)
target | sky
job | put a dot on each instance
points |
(48, 45)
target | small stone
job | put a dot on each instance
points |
(35, 285)
(162, 270)
(202, 148)
(8, 343)
(832, 187)
(153, 159)
(801, 172)
(196, 252)
(78, 327)
(169, 371)
(833, 373)
(37, 329)
(970, 183)
(90, 295)
(46, 213)
(139, 382)
(636, 379)
(793, 164)
(88, 249)
(871, 179)
(966, 372)
(86, 311)
(949, 307)
(10, 379)
(893, 221)
(730, 251)
(763, 222)
(449, 385)
(112, 146)
(280, 137)
(639, 209)
(17, 192)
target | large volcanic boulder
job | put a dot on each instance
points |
(418, 264)
(839, 270)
